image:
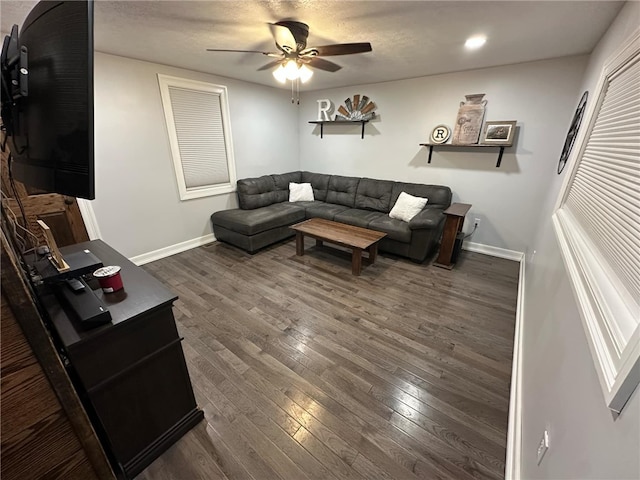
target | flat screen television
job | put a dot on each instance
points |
(51, 127)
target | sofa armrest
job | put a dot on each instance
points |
(427, 219)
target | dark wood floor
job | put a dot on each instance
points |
(307, 372)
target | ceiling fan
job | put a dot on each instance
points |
(293, 55)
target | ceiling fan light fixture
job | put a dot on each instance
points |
(279, 74)
(305, 73)
(291, 69)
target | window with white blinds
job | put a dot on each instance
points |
(598, 226)
(197, 118)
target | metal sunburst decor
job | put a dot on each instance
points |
(360, 108)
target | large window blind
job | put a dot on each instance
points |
(598, 227)
(605, 193)
(197, 120)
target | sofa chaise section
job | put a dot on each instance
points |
(262, 219)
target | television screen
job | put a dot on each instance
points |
(52, 144)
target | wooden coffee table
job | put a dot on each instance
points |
(355, 238)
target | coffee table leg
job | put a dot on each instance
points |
(356, 261)
(318, 243)
(299, 243)
(373, 252)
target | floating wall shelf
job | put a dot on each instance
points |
(338, 122)
(450, 146)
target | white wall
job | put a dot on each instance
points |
(137, 205)
(560, 387)
(539, 95)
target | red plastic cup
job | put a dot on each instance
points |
(109, 278)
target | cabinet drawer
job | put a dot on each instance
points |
(121, 346)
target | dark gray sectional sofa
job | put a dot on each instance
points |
(265, 212)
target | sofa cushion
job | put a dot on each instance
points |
(357, 217)
(319, 182)
(395, 229)
(305, 204)
(342, 190)
(429, 218)
(281, 182)
(374, 195)
(251, 222)
(438, 195)
(324, 210)
(256, 192)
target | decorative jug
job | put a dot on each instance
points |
(469, 121)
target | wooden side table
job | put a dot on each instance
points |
(454, 223)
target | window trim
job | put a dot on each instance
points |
(603, 310)
(166, 81)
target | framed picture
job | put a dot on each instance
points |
(499, 133)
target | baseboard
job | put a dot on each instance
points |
(514, 432)
(172, 249)
(493, 251)
(90, 220)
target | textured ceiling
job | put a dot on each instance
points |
(409, 38)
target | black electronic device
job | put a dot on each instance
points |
(80, 263)
(75, 284)
(82, 303)
(14, 61)
(47, 98)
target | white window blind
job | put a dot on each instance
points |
(198, 127)
(198, 121)
(605, 194)
(598, 226)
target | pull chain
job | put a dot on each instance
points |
(295, 94)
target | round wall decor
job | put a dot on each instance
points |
(440, 134)
(573, 132)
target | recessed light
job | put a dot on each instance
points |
(475, 42)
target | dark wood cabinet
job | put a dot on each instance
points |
(131, 373)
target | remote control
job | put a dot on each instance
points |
(75, 285)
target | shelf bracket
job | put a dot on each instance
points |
(362, 134)
(321, 129)
(430, 153)
(500, 157)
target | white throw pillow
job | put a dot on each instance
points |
(407, 206)
(300, 192)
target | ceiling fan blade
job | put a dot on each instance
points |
(338, 49)
(299, 30)
(270, 65)
(285, 40)
(322, 64)
(268, 54)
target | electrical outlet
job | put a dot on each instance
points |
(543, 446)
(477, 222)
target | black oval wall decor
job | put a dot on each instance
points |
(573, 132)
